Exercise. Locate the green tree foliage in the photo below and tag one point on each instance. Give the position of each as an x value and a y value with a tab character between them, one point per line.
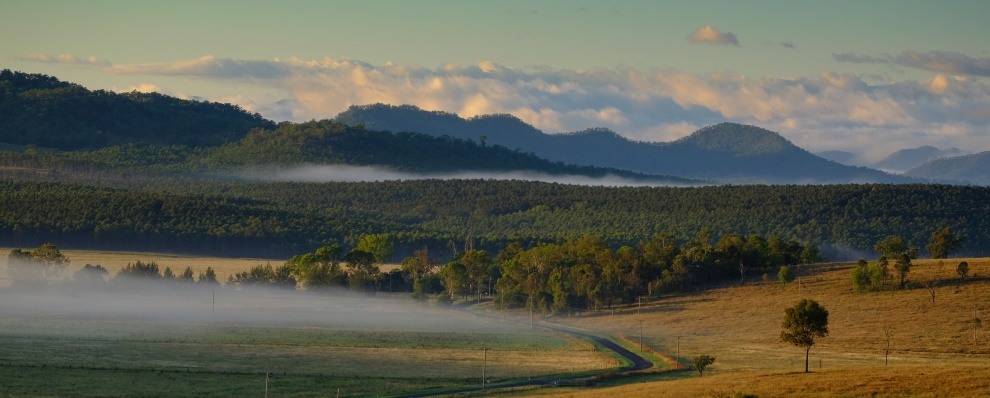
320	269
942	243
284	219
36	267
362	270
454	277
187	276
803	324
43	111
261	276
897	249
379	245
785	275
168	275
870	276
138	270
701	362
207	278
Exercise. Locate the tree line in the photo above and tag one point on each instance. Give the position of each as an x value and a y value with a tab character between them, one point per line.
281	219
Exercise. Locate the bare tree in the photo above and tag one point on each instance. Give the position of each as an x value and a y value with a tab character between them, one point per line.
932	283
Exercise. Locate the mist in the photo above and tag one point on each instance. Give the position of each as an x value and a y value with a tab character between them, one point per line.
345	173
262	307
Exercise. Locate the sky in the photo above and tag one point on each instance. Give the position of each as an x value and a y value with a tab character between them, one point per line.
865	77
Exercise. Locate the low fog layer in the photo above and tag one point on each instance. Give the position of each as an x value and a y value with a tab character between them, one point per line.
344	173
256	306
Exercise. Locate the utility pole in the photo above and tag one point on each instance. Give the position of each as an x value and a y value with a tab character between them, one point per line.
678	352
532	323
639	309
266	384
213	312
484	369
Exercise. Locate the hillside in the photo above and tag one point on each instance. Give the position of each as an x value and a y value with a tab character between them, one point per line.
841	157
727	152
43	111
907	159
279	219
740	327
972	169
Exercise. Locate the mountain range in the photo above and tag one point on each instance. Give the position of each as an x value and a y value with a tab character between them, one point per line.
906	159
41	111
726	152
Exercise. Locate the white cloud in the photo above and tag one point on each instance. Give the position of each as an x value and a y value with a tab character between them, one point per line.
828	111
710	35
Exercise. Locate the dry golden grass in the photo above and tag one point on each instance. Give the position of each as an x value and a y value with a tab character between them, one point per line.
115	260
881	381
740	326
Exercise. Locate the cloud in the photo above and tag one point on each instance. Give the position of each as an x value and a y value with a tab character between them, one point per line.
65	59
142	88
784	44
710	35
829	111
933	61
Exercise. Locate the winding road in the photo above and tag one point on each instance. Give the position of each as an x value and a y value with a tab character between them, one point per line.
638	363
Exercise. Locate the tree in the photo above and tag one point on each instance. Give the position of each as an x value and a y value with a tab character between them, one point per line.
208	278
943	242
811	255
379	245
36	267
896	248
804	323
187	276
892	247
91	275
701	362
363	271
785	275
932	283
962	269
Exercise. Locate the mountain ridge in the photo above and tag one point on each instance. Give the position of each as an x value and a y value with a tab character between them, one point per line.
712	153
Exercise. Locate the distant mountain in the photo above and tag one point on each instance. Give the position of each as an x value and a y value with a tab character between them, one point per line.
906	159
44	111
973	169
727	152
840	157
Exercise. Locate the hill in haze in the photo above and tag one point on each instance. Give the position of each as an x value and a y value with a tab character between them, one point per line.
973	169
907	159
841	157
726	152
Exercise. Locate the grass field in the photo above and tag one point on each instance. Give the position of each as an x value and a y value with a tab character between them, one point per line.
932	347
124	344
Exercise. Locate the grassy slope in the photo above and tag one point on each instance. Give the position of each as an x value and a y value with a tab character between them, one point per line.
740	325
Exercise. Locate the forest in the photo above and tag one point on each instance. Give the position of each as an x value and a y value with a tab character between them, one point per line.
264	219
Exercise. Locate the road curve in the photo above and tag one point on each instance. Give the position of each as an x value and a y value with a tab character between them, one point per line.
638	363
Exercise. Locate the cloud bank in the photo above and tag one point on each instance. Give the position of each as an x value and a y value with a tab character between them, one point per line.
828	111
933	61
709	35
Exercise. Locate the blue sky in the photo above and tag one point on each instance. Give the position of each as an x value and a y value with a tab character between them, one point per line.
869	77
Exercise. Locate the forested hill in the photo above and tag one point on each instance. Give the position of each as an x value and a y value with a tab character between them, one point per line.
43	111
726	152
279	219
972	169
322	142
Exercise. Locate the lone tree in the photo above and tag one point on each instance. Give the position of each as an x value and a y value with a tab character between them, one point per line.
897	249
942	243
803	323
701	362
